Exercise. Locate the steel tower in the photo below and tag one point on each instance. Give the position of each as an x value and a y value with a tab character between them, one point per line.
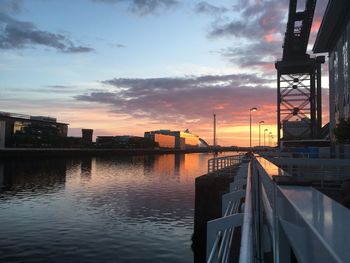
299	78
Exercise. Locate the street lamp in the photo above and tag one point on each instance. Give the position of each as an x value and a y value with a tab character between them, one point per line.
261	122
264	136
272	144
250	126
270	136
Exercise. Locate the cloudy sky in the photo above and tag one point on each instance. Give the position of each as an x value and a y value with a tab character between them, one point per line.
128	66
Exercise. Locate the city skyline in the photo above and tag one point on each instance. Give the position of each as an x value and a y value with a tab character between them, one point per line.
125	67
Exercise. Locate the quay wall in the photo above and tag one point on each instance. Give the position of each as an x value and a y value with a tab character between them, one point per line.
209	189
77	152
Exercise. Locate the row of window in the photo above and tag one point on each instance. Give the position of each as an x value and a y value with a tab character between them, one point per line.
339	68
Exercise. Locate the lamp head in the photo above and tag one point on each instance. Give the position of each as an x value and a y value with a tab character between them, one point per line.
261	122
253	109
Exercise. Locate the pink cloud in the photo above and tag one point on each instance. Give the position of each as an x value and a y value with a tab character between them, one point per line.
270	38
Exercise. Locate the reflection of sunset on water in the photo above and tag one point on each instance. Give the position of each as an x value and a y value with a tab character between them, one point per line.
99	173
146	202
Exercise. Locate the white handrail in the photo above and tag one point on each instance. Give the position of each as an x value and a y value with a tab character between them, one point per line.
219	163
246	250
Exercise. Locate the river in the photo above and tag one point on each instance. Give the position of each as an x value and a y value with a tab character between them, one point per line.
132	209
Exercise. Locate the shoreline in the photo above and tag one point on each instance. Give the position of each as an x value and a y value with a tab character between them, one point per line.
77	152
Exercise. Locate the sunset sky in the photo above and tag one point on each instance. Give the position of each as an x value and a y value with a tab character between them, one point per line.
128	66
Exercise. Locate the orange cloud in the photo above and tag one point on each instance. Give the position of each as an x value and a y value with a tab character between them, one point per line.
219	106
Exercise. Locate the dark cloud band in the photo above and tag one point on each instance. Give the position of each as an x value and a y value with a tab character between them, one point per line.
17	34
181	99
143	7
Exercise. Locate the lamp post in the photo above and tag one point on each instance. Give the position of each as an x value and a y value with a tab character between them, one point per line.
264	136
260	122
250	126
270	135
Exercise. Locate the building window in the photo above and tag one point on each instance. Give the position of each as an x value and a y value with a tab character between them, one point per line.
335	66
346	78
345	60
331	60
19	126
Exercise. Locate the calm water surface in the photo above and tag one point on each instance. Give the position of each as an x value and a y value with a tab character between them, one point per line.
133	209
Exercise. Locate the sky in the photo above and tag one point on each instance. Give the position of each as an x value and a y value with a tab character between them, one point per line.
123	67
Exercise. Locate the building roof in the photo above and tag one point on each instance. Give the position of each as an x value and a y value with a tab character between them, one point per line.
24	117
334	20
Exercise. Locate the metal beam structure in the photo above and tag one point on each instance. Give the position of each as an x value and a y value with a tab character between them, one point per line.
298	30
299	95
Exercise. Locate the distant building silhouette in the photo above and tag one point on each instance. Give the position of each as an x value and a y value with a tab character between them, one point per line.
125	141
87	135
13	124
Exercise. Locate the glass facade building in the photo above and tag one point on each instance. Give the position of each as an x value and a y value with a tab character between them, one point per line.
174	139
334	37
20	124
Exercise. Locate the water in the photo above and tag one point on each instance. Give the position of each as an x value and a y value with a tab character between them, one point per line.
133	209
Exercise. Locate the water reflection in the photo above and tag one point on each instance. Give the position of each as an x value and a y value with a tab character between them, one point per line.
31	177
86	166
1	175
115	209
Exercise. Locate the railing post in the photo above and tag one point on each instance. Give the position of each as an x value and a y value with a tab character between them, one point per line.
215	164
257	212
218	225
282	253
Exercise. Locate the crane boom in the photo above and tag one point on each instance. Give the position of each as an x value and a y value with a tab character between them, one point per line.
298	30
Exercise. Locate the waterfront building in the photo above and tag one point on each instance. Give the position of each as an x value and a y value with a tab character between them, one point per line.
202	143
13	124
334	38
125	141
2	133
189	139
164	140
176	139
87	135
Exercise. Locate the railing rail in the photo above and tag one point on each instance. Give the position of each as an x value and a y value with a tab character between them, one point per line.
280	217
220	231
300	219
218	163
246	250
309	155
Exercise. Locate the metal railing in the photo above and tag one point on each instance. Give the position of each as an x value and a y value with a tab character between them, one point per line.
280	218
219	163
295	219
220	231
326	154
